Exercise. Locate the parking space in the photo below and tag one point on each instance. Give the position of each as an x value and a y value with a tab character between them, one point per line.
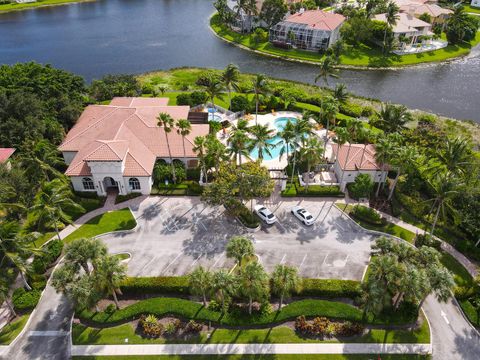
174	235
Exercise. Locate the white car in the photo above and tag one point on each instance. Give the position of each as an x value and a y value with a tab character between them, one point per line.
265	214
303	215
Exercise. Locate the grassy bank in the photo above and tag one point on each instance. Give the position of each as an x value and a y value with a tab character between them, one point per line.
10	332
110	221
359	56
40	3
82	335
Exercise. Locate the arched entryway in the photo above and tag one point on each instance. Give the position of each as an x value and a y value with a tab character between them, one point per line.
110	184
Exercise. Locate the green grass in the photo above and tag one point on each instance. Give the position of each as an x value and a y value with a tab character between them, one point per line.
191	310
258	357
9	332
388	228
44	238
461	276
83	335
361	55
16	7
470	312
472	9
88	204
122	256
110	221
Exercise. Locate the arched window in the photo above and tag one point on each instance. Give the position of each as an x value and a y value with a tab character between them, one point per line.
88	184
134	184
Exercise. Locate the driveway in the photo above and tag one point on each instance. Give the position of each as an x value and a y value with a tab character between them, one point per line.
174	235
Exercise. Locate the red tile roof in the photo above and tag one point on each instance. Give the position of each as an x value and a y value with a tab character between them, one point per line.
127	132
360	157
317	19
5	154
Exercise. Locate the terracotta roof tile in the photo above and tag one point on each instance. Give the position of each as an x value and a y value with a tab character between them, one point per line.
360	157
5	154
317	19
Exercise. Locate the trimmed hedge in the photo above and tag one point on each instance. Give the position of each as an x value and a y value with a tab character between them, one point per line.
25	300
366	214
330	288
313	190
122	198
192	188
155	285
51	252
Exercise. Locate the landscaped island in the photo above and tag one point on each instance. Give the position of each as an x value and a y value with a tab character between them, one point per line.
8	6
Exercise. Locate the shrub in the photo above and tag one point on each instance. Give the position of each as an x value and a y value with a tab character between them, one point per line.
25	300
427	240
361	187
330	288
150	326
240	103
193	174
351	109
193	327
155	285
51	252
320	191
246	217
184	99
321	326
366	214
162	172
38	281
214	306
198	98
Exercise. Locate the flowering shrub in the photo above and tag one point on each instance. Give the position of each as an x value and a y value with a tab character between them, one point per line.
192	327
150	326
321	326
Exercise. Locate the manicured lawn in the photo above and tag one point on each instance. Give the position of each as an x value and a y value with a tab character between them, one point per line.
9	332
388	228
461	276
83	335
110	221
88	205
361	55
16	7
44	238
471	9
257	357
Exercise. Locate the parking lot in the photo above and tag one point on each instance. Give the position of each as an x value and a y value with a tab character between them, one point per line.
174	235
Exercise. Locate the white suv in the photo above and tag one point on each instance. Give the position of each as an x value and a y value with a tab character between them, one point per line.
303	215
265	214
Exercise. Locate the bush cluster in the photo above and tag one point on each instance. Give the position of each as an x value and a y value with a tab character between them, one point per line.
366	214
150	327
323	327
192	99
155	285
25	300
50	254
247	218
313	190
427	240
330	288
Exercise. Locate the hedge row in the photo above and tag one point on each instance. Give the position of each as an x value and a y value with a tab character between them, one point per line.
50	253
367	214
25	300
313	191
178	285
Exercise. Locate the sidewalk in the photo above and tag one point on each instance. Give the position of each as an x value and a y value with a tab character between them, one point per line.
227	349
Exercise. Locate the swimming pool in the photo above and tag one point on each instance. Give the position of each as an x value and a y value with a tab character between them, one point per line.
281	122
212	116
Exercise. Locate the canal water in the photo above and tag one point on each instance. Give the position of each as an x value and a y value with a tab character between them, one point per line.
134	36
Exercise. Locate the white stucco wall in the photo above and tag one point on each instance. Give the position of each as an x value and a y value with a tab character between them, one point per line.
145	184
68	156
103	169
78	185
350	175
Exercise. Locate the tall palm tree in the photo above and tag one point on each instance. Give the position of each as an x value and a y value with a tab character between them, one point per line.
238	144
444	187
285	281
214	87
79	253
261	135
312	154
342	136
253	283
303	128
200	148
259	87
340	93
327	69
166	122
184	128
328	112
355	129
231	80
108	274
224	284
391	17
393	118
287	134
200	281
41	160
216	153
51	202
455	157
404	158
383	152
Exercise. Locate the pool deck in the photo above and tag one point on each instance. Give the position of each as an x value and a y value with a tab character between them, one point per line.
269	119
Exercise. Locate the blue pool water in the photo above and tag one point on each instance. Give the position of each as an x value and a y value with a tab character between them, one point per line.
279	123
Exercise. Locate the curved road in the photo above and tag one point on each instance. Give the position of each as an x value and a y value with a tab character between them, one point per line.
46	335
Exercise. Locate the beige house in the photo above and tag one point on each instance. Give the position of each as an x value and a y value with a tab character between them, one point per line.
417	8
408	26
115	146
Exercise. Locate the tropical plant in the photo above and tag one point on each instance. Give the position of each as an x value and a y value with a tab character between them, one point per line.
216	153
5	297
184	128
342	136
288	135
253	282
238	144
340	93
224	285
312	154
328	112
259	87
391	17
383	153
303	129
327	69
403	158
393	118
166	122
200	282
231	80
81	252
200	149
260	139
109	273
41	160
239	247
285	281
51	202
214	87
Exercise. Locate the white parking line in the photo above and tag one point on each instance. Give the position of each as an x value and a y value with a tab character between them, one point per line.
195	261
216	261
283	258
171	262
303	261
323	263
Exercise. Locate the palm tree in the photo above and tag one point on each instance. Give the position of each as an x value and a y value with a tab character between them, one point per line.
200	148
214	87
41	160
166	122
239	247
328	112
200	282
342	136
340	93
259	87
4	297
287	134
393	118
312	154
184	127
224	284
444	187
404	157
302	129
454	158
261	135
383	152
51	202
285	280
82	251
109	273
327	69
391	17
253	282
231	80
238	144
216	153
